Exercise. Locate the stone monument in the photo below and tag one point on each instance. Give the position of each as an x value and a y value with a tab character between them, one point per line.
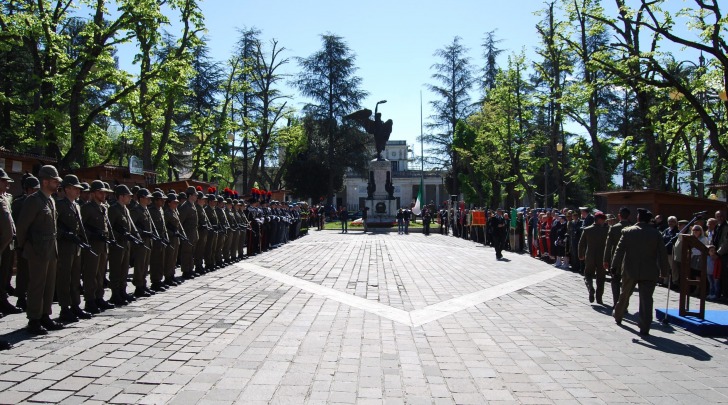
380	189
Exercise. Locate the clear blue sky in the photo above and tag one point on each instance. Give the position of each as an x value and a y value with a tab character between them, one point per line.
393	41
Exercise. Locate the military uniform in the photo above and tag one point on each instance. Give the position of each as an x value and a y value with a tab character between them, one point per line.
642	256
591	248
36	236
615	232
189	221
174	228
212	236
21	275
157	260
124	231
224	227
94	216
71	235
7	233
142	221
7	248
203	230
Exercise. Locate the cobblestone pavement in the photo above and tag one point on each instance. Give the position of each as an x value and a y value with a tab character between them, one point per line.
354	318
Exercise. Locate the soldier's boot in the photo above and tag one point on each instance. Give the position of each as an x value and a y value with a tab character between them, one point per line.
141	292
590	286
5	345
22	302
9	309
67	316
80	313
50	324
92	308
104	305
117	299
158	287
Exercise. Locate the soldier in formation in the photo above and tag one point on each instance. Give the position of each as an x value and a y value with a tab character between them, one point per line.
67	237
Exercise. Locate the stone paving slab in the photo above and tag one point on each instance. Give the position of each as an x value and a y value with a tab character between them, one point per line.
370	319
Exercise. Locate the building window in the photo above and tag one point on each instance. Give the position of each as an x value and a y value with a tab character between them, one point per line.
395	166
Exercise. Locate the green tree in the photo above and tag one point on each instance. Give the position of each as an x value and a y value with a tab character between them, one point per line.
455	78
328	78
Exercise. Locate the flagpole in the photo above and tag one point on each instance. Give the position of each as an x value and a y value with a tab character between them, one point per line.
422	155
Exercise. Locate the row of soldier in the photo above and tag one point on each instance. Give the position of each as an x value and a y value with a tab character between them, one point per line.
64	232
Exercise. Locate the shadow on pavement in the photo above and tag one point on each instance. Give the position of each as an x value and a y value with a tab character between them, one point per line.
670	346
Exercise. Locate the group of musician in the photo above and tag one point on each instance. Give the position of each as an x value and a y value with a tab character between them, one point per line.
72	235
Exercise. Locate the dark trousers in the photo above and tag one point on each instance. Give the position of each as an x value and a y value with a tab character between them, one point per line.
170	258
210	246
186	257
647	288
41	286
142	257
93	270
616	285
156	262
118	268
68	274
498	242
7	260
200	248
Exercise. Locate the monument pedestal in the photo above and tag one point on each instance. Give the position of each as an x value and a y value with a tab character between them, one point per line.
380	199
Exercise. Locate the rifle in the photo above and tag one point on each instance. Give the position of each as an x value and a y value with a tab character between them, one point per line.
133	239
156	238
83	245
103	238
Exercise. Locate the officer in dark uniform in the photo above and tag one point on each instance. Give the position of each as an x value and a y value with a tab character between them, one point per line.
174	230
591	252
203	230
142	220
94	216
159	247
85	194
498	228
71	237
36	237
252	215
124	234
188	218
31	184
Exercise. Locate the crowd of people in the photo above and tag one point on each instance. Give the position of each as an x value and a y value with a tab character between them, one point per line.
65	237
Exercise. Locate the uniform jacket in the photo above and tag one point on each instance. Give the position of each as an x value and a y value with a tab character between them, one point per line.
203	223
159	224
615	232
211	216
69	220
641	253
221	218
94	217
120	223
171	218
7	225
36	227
141	218
188	218
592	245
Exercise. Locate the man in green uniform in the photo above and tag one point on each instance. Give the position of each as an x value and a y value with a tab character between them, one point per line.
31	184
7	233
156	262
142	253
642	256
615	232
188	218
591	251
124	233
7	259
36	237
224	227
212	236
203	230
71	237
94	216
174	230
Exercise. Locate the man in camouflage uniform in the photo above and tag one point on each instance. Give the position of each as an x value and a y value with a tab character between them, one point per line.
36	237
71	237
